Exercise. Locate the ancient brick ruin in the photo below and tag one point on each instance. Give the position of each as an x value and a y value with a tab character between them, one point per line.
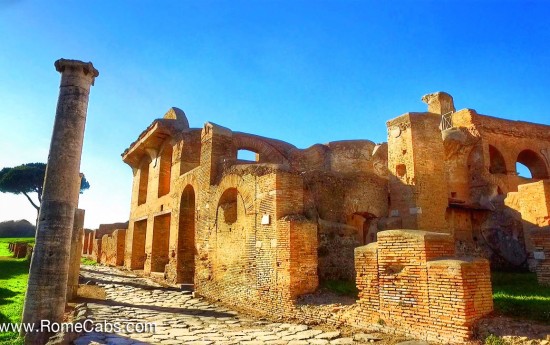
106	244
20	249
258	234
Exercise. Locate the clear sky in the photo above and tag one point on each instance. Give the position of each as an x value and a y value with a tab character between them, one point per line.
301	71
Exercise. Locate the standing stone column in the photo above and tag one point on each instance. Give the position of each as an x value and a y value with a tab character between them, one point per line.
47	287
74	257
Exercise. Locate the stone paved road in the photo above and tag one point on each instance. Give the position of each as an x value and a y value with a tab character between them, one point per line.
182	319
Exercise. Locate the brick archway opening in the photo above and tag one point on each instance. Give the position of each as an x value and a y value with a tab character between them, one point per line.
534	163
186	237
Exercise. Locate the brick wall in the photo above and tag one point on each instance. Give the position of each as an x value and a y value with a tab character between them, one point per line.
96	250
409	282
416	162
112	245
534	204
259	252
540	239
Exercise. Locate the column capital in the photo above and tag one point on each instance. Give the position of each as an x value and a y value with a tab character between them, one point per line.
87	68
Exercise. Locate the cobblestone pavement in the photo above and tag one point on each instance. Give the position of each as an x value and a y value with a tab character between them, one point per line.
182	319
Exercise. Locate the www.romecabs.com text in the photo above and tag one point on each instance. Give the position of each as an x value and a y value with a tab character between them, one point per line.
85	326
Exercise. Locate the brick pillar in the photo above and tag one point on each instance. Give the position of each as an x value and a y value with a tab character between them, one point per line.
47	286
216	147
417	181
410	282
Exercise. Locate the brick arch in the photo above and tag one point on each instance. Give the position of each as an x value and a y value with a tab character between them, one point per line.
534	162
235	181
268	152
497	163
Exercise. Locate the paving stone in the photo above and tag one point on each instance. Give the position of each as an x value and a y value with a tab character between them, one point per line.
268	337
328	335
318	341
298	342
277	342
306	334
86	340
179	331
118	341
188	337
366	337
342	341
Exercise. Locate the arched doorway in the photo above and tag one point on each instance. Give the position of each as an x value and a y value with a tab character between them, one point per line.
186	237
534	163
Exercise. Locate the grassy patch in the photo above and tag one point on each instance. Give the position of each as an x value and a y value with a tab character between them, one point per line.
341	287
13	284
519	295
86	261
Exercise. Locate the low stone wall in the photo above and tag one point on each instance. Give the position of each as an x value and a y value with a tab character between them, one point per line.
540	239
112	248
410	283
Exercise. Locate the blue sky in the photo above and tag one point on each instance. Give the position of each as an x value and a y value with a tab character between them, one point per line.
301	71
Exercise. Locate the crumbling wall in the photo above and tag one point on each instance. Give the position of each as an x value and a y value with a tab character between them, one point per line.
410	282
416	162
96	250
112	245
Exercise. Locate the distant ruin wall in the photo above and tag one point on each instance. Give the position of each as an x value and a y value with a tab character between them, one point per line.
112	248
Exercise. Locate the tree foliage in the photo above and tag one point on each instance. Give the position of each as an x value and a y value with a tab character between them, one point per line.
28	178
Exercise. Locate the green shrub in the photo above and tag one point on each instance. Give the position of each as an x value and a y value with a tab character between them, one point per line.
494	340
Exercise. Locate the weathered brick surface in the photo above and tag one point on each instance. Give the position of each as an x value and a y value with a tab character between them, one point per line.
533	200
416	161
96	250
112	248
408	283
540	239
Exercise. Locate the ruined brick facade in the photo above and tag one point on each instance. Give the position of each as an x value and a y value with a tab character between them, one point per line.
258	234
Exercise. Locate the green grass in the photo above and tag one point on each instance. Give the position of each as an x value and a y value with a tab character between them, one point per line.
519	295
86	261
13	284
341	287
